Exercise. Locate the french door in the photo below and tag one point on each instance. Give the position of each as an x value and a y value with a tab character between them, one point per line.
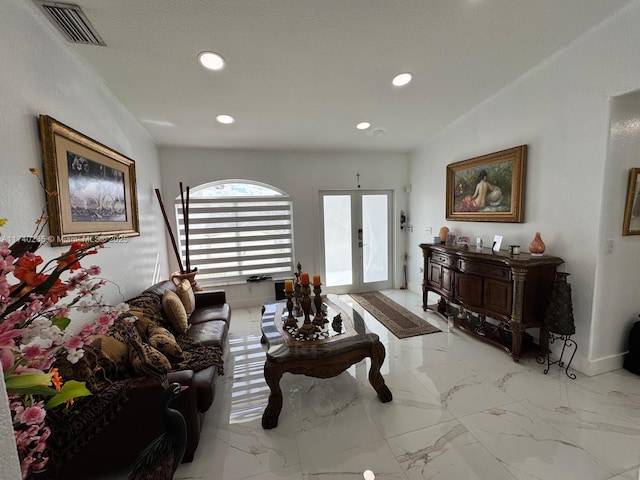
357	240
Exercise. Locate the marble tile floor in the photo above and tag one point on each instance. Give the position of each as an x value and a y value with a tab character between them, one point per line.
461	410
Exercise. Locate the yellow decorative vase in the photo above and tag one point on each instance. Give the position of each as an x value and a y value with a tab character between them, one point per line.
178	277
537	246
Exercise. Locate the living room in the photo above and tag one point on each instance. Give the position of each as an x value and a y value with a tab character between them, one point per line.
576	110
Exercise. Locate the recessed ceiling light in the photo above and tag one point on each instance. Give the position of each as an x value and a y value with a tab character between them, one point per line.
402	79
363	125
211	60
226	119
376	132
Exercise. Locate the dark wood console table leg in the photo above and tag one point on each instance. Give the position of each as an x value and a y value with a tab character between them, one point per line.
272	375
375	377
517	330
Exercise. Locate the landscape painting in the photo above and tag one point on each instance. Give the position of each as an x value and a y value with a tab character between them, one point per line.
96	192
91	189
631	223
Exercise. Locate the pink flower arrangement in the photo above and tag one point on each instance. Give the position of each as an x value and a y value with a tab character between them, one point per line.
33	324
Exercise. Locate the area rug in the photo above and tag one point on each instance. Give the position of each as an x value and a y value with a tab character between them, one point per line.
400	321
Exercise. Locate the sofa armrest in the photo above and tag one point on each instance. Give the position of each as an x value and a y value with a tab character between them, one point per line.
210	298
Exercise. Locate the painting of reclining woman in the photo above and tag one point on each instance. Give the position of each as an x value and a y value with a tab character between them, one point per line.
486	196
489	188
96	191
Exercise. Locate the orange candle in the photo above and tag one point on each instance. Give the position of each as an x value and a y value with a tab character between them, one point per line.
288	285
304	278
316	280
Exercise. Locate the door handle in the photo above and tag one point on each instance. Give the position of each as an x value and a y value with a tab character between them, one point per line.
360	243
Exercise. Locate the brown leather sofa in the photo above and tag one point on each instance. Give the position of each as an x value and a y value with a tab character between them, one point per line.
138	421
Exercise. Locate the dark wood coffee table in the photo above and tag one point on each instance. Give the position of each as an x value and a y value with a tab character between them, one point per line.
323	358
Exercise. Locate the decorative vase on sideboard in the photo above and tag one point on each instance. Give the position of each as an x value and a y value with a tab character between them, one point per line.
537	246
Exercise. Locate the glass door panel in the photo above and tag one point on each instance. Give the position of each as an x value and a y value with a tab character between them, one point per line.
337	240
375	246
357	241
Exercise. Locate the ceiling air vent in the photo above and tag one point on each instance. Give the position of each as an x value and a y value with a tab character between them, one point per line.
71	21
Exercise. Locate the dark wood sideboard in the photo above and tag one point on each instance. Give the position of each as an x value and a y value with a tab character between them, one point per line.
510	289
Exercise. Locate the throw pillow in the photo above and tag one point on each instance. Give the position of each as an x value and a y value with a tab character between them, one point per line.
187	297
174	311
147	361
112	356
163	340
143	322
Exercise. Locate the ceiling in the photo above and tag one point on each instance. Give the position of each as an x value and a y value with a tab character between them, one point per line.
301	73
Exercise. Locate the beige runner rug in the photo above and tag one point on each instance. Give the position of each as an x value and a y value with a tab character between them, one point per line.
400	321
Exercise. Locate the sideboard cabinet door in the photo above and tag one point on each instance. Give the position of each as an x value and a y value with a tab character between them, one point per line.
434	274
468	289
497	296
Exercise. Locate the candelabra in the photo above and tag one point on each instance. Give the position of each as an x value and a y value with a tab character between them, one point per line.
297	286
290	321
318	319
307	328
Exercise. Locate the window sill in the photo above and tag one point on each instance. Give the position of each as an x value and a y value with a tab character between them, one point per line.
217	285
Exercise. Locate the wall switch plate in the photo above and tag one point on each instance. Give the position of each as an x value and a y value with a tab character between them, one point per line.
610	245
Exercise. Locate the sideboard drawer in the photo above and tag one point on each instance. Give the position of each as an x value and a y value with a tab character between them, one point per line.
494	271
446	260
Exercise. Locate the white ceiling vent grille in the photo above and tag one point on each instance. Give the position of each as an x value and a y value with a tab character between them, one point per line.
71	22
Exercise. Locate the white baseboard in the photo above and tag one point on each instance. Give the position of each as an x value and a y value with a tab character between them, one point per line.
587	367
602	365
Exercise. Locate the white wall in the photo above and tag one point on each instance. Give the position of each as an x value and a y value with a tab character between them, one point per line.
41	77
617	308
301	175
561	110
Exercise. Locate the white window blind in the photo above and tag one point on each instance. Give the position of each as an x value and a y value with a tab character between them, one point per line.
237	230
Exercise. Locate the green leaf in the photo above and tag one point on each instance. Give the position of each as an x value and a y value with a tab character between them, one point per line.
27	380
71	389
40	390
61	322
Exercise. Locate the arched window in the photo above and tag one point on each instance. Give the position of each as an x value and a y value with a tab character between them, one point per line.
237	229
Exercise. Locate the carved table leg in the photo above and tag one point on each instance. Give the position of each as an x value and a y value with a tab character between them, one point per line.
272	375
517	314
375	377
424	296
517	331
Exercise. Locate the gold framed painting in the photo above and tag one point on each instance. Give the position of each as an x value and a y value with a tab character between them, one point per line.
631	223
91	188
489	188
